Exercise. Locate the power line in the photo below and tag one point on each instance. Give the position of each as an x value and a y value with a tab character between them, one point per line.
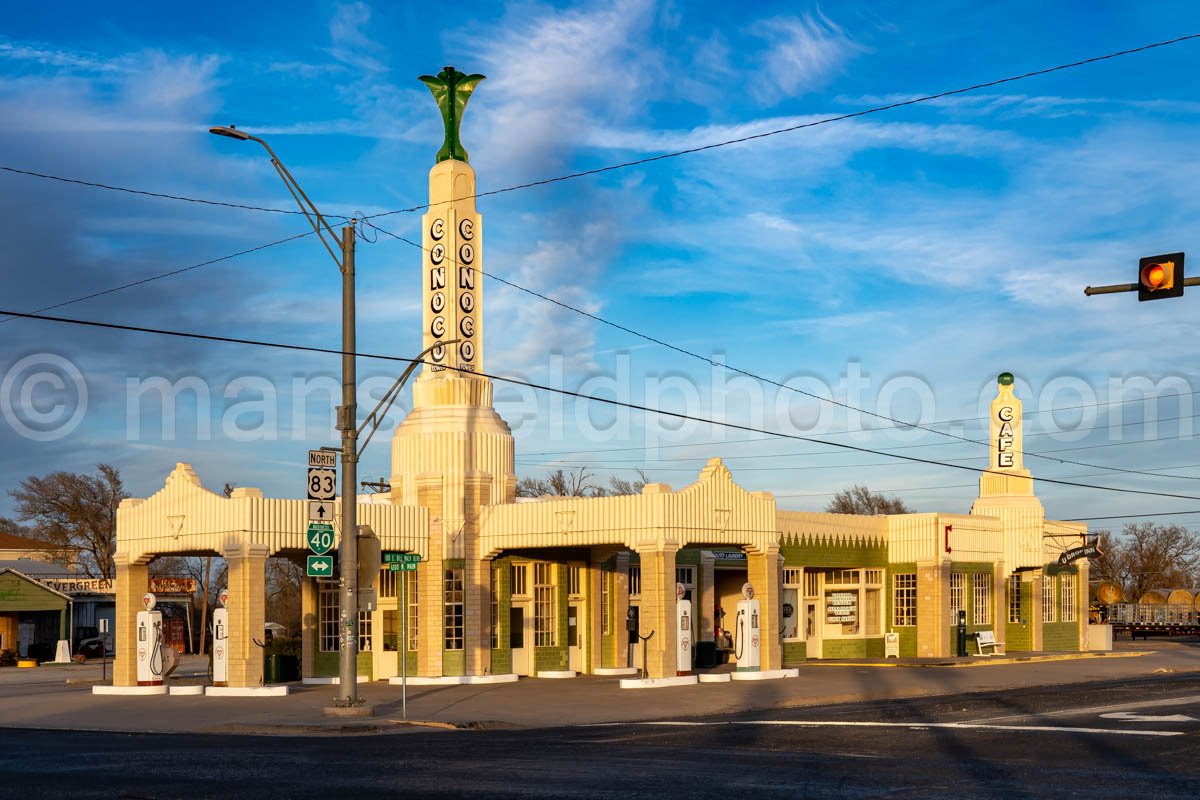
165	275
565	392
791	128
145	193
752	375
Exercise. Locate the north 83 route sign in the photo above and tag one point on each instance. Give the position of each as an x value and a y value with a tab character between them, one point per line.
322	484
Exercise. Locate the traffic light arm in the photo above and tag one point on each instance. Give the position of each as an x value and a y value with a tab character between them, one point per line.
375	418
1117	288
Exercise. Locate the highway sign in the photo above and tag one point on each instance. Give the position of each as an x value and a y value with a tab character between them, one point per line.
326	459
322	483
320	537
403	566
320	510
320	566
401	558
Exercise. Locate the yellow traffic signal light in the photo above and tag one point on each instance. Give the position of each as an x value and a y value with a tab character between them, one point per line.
1160	276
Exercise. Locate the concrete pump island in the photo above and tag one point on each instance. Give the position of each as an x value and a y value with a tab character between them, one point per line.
476	586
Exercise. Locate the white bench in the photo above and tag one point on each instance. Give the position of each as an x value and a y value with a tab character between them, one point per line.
988	639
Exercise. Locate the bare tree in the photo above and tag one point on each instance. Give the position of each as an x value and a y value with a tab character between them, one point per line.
1147	556
13	528
861	500
576	483
77	513
625	486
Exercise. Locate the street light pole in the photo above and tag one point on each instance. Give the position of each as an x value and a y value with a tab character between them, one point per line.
348	552
346	416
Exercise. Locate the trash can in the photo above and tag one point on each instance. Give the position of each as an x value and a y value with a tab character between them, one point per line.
281	669
706	655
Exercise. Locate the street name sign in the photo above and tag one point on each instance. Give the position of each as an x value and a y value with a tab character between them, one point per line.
401	558
326	459
403	566
320	566
322	483
320	510
320	537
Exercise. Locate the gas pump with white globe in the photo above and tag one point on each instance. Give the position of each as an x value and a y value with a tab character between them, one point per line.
745	631
150	656
683	642
220	645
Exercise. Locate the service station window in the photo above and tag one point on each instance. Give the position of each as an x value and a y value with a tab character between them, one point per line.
327	619
958	595
452	588
574	581
1068	597
982	607
1047	598
793	581
1014	599
493	639
544	605
904	599
412	617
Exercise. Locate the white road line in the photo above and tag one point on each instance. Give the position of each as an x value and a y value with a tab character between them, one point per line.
1174	701
909	725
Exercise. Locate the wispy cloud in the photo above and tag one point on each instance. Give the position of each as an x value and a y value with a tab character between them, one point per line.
804	53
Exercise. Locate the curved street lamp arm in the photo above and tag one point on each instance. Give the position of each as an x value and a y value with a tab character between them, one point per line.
375	418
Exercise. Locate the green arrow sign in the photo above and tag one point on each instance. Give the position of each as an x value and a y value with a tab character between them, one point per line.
320	566
320	537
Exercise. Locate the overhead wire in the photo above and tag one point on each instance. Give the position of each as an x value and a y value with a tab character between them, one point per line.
801	126
162	275
566	392
740	371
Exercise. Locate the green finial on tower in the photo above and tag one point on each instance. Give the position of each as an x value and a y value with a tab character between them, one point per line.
451	89
1005	379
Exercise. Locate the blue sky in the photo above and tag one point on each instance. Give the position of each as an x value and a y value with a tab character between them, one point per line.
896	262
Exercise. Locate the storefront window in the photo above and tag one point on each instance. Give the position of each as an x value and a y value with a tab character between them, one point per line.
327	616
544	629
452	588
1068	597
1014	599
983	599
958	595
790	610
904	599
1047	598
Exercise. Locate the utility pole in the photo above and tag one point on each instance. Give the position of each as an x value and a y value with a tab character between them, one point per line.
348	552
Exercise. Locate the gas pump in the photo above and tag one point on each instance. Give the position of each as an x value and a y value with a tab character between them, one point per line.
631	626
683	642
746	632
220	644
149	643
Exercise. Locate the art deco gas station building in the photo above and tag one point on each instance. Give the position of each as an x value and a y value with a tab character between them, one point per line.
548	587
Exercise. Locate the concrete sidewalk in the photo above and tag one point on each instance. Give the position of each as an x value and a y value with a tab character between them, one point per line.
43	699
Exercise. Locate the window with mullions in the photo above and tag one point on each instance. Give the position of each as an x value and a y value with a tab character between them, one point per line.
518	574
452	588
686	576
1014	599
575	580
904	599
493	635
544	606
364	631
790	611
412	618
1048	598
982	607
635	581
605	614
388	582
1067	581
327	616
958	595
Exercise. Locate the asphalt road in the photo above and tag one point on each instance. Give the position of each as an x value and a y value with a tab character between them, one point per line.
1125	739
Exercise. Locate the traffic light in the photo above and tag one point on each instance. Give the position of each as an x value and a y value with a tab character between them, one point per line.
1160	276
